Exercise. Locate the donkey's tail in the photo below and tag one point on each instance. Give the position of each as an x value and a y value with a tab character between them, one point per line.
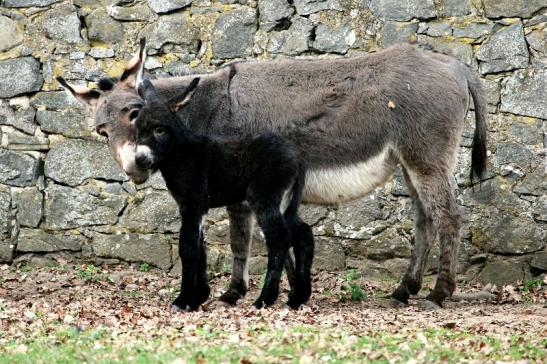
478	149
297	188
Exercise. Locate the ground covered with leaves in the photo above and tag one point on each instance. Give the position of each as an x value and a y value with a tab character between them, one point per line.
65	313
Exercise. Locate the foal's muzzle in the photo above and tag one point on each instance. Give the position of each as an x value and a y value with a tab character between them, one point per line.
143	161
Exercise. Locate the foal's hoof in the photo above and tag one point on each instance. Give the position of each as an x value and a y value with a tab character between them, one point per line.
294	304
259	304
429	305
177	309
296	300
395	303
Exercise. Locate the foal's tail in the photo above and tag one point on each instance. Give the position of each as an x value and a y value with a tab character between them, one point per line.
297	188
478	151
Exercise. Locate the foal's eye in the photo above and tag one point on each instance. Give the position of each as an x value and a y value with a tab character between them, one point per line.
159	131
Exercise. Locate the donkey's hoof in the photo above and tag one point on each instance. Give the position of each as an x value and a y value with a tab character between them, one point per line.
220	304
430	305
395	303
230	297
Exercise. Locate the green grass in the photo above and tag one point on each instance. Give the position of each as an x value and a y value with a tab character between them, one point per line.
263	344
90	273
532	284
25	268
352	290
144	267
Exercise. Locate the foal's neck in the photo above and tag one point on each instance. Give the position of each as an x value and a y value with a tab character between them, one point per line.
187	147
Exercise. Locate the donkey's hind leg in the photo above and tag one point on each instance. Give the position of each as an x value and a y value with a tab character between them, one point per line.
303	243
241	230
424	238
439	205
449	235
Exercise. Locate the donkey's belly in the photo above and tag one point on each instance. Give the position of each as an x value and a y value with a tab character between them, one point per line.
346	183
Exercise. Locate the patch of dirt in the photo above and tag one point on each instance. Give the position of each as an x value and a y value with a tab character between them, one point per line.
125	298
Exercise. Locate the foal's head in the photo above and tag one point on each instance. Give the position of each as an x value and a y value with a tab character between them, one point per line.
157	126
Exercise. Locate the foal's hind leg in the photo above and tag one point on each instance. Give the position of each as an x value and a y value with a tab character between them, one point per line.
303	243
424	238
241	230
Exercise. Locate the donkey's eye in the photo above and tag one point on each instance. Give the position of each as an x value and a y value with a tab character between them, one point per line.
102	131
159	131
133	114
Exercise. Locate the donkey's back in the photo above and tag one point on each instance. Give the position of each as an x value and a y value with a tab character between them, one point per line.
354	119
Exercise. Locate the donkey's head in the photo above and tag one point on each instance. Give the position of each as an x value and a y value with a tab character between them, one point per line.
114	105
158	127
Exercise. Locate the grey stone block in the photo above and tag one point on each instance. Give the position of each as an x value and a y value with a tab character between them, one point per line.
154	249
334	39
29	207
233	33
294	40
272	12
512	8
19	76
72	161
62	24
172	29
102	28
156	212
10	36
28	3
307	7
505	50
164	6
402	10
18	169
524	93
396	32
40	241
68	208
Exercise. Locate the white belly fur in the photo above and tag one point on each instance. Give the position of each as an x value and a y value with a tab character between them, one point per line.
336	185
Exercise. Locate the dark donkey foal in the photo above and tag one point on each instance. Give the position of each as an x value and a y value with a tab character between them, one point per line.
202	172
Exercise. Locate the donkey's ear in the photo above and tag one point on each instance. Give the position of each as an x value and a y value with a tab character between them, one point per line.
187	94
132	75
83	94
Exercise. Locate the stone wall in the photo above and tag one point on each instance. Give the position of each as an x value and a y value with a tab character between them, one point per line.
61	194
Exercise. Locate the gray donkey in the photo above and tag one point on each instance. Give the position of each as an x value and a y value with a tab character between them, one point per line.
354	120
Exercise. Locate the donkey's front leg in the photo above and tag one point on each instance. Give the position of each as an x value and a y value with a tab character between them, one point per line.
194	287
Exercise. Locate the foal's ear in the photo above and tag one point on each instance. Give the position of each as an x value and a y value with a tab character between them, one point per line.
187	94
147	91
132	75
83	94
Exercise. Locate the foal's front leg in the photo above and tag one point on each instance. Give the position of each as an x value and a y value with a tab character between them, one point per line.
194	287
277	235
